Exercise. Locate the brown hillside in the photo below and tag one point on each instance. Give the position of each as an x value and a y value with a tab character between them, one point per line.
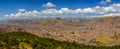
87	31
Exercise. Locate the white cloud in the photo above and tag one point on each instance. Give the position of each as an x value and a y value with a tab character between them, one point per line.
112	14
50	11
108	0
21	10
105	1
49	4
24	14
112	10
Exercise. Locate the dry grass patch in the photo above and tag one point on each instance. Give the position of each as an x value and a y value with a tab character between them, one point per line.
102	40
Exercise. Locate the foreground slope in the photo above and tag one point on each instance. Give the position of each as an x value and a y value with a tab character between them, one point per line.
24	40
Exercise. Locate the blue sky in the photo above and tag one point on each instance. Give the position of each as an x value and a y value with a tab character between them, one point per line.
8	7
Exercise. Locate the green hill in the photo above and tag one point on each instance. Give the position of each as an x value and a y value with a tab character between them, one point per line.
24	40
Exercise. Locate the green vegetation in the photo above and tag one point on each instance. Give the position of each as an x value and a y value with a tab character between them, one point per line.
24	40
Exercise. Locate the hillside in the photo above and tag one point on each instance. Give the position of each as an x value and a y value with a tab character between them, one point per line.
24	40
95	31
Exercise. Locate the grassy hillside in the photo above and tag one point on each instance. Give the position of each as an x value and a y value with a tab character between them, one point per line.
24	40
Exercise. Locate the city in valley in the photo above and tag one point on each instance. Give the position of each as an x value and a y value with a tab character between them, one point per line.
59	24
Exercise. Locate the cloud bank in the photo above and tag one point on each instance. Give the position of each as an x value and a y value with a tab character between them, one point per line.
112	10
23	14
